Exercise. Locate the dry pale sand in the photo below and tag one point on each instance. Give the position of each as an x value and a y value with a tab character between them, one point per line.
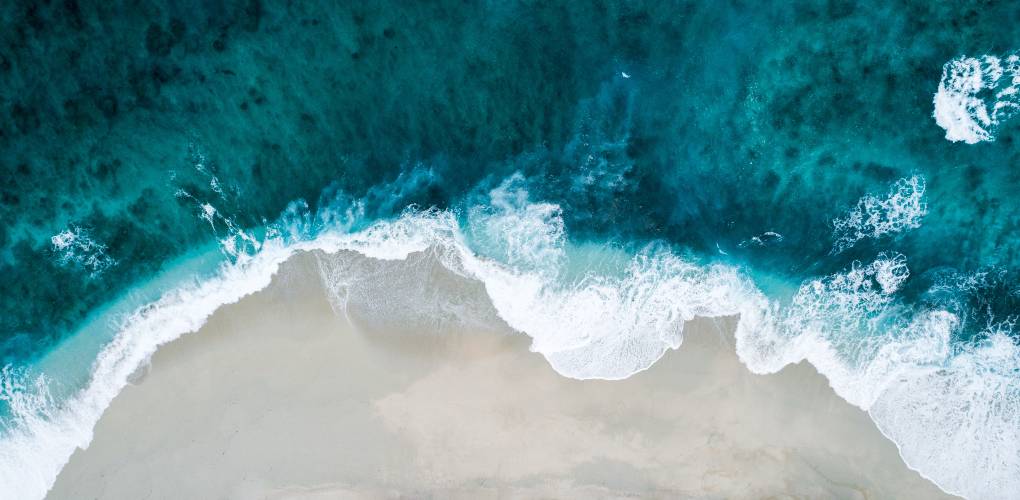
278	397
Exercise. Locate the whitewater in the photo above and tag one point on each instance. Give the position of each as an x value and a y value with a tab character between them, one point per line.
605	171
596	311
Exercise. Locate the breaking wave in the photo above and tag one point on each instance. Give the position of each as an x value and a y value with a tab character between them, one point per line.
594	311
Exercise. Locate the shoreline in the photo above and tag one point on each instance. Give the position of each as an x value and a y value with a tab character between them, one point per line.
276	396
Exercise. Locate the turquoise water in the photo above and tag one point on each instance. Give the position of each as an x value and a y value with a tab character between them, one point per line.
793	142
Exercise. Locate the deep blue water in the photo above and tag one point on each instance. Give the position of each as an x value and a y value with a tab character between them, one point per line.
794	141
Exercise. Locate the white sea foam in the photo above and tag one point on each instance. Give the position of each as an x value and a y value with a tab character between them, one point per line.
765	239
43	433
844	325
233	239
976	95
76	246
953	414
521	234
902	208
958	423
615	321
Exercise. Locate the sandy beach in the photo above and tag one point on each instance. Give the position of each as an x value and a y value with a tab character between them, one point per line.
278	396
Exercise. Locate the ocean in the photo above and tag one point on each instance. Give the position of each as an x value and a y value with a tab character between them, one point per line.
841	176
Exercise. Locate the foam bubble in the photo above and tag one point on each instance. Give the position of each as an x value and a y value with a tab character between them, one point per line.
902	208
975	95
76	246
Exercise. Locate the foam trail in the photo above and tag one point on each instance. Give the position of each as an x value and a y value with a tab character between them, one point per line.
976	95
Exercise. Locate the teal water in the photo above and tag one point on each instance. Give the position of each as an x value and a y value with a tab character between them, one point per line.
794	141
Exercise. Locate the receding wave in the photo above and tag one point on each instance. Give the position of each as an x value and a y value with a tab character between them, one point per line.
593	310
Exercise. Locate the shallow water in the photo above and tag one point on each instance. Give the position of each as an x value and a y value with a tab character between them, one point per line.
650	161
